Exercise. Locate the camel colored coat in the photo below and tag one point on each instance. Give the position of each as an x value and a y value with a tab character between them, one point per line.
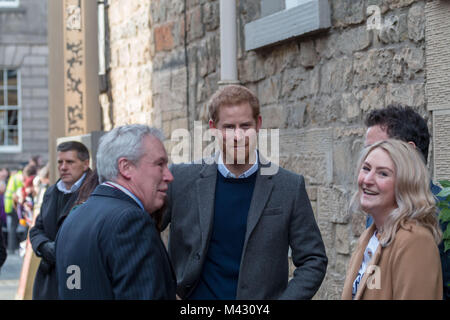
408	269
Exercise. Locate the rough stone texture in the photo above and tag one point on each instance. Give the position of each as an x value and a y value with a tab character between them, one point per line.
332	203
23	46
342	240
163	37
438	95
315	89
438	54
346	13
416	22
130	66
441	145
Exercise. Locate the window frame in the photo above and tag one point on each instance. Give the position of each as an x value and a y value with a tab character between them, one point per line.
288	6
304	18
12	148
9	4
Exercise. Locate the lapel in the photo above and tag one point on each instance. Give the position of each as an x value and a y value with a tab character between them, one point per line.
205	189
373	262
261	194
67	208
62	213
359	252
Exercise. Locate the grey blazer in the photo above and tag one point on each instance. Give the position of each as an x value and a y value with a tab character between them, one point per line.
280	216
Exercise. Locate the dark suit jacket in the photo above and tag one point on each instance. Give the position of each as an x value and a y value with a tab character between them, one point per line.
117	248
280	216
45	229
3	252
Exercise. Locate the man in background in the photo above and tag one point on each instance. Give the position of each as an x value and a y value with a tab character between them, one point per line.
73	165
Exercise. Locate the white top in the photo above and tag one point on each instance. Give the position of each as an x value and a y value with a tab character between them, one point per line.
368	254
124	190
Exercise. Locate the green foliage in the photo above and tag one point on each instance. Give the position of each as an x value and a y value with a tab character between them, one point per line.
445	183
444	214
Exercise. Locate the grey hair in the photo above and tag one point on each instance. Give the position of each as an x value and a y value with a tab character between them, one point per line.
122	142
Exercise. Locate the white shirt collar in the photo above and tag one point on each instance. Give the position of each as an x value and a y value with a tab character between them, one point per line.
124	190
227	173
62	187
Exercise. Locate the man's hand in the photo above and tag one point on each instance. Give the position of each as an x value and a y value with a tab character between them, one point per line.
47	250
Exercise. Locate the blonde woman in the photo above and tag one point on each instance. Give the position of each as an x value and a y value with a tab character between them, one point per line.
397	257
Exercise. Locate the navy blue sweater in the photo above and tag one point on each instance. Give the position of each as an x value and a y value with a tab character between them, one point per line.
221	267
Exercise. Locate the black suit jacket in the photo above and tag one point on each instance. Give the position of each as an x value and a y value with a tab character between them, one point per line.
3	253
53	211
116	248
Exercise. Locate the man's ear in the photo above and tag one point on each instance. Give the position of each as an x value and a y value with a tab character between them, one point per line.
85	164
413	144
258	123
124	166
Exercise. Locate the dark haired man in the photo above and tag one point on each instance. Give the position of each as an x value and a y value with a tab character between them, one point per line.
398	122
73	164
403	123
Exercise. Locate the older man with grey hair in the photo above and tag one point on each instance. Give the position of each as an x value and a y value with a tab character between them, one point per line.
110	247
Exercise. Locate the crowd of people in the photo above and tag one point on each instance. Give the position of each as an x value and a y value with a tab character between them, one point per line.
21	193
232	228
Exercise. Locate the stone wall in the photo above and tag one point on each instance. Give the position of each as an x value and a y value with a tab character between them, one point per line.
130	65
25	24
315	89
23	45
438	77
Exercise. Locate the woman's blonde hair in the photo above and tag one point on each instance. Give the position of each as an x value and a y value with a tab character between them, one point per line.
414	199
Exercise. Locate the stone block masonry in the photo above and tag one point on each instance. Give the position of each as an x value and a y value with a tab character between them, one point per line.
315	89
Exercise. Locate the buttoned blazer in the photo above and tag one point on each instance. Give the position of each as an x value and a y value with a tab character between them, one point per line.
409	268
116	248
280	216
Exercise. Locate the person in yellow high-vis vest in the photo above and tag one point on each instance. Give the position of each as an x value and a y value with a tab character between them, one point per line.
15	182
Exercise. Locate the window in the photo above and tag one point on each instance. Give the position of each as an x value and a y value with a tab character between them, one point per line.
10	124
286	19
9	3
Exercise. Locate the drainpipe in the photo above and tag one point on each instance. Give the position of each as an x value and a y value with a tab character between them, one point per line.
101	46
228	43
